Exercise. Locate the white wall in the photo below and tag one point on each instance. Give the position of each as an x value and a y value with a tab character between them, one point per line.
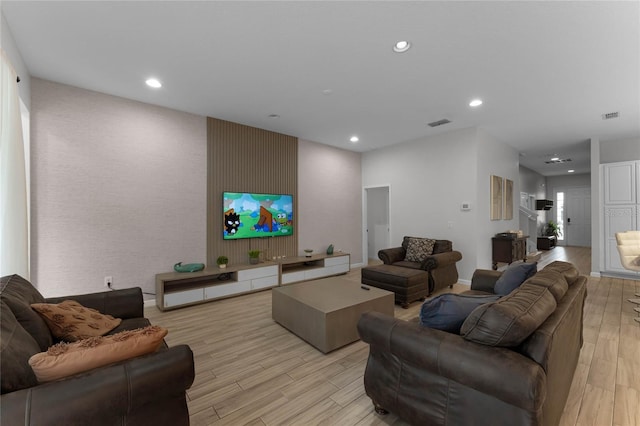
329	199
619	150
118	189
429	179
493	158
535	184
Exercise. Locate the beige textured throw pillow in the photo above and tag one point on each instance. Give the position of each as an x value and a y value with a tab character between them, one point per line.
70	321
67	359
418	249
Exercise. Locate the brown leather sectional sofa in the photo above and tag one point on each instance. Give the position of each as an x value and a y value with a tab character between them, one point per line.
441	265
146	390
512	364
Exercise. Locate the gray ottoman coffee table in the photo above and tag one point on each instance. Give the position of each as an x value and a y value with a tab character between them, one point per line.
325	312
407	284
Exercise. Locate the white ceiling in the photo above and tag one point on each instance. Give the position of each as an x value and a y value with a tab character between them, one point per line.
546	71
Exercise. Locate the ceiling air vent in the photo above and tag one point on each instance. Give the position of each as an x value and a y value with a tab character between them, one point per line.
439	122
610	115
559	161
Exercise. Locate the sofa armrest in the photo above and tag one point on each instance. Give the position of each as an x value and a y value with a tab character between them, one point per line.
392	255
439	260
484	280
106	395
499	372
125	303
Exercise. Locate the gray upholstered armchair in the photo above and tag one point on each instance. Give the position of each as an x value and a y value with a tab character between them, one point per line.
441	265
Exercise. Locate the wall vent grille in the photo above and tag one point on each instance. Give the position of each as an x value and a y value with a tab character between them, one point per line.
559	161
610	115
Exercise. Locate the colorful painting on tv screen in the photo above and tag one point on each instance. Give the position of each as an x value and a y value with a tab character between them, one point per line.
248	215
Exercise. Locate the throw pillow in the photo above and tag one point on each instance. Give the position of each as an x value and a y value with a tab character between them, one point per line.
513	276
70	321
67	359
418	249
447	312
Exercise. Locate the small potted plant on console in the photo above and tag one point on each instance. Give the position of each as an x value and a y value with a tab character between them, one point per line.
254	257
222	261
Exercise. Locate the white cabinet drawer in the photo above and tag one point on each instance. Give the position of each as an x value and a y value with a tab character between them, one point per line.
340	260
264	282
222	290
316	273
338	269
250	274
182	297
291	277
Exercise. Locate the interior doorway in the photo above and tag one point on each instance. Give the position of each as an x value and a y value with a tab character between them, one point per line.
376	226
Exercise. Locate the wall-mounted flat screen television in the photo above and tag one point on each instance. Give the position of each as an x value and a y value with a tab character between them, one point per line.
249	215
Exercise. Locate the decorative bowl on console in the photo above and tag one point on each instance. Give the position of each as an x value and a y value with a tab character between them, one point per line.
308	252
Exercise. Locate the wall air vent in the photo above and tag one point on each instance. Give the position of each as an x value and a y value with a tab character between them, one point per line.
558	161
439	122
610	115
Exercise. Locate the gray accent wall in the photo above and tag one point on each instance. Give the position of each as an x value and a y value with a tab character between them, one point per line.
118	189
329	199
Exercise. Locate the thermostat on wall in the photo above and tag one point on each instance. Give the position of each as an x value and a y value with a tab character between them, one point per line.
465	207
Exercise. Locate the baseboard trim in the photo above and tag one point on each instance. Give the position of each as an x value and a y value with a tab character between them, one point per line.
149	302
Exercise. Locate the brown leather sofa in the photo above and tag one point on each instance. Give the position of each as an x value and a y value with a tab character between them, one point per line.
147	390
495	372
441	265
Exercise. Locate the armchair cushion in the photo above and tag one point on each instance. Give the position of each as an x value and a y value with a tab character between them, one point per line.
447	312
513	276
67	359
418	249
70	321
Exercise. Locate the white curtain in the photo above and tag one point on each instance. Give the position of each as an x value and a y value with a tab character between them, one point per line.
14	231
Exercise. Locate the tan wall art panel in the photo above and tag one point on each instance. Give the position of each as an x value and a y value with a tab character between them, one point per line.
248	159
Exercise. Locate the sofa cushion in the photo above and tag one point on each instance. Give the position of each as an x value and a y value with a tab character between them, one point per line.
70	321
19	294
513	276
418	249
67	359
510	320
448	311
569	271
16	346
552	280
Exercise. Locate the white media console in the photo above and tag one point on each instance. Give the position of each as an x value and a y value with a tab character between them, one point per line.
178	289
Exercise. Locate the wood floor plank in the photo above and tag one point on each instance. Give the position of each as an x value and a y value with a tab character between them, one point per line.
252	371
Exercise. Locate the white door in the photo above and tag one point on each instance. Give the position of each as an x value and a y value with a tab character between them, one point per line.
577	215
377	226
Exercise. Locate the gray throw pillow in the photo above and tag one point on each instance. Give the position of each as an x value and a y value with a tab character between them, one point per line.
447	312
513	276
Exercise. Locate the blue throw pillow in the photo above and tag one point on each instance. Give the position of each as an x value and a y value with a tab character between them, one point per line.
447	312
513	276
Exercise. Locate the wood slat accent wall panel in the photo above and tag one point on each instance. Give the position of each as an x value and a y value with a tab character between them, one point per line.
248	159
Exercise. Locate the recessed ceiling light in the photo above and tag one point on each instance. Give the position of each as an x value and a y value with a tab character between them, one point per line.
401	46
555	159
570	171
273	116
475	103
153	82
354	139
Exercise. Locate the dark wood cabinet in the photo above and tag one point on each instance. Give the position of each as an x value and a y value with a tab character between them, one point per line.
508	250
547	243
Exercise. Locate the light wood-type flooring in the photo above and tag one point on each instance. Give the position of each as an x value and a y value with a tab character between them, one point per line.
250	370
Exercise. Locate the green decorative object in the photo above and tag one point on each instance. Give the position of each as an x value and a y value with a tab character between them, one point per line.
189	267
330	249
222	261
254	256
552	229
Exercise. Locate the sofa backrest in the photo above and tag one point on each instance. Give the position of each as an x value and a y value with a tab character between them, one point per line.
23	332
441	246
